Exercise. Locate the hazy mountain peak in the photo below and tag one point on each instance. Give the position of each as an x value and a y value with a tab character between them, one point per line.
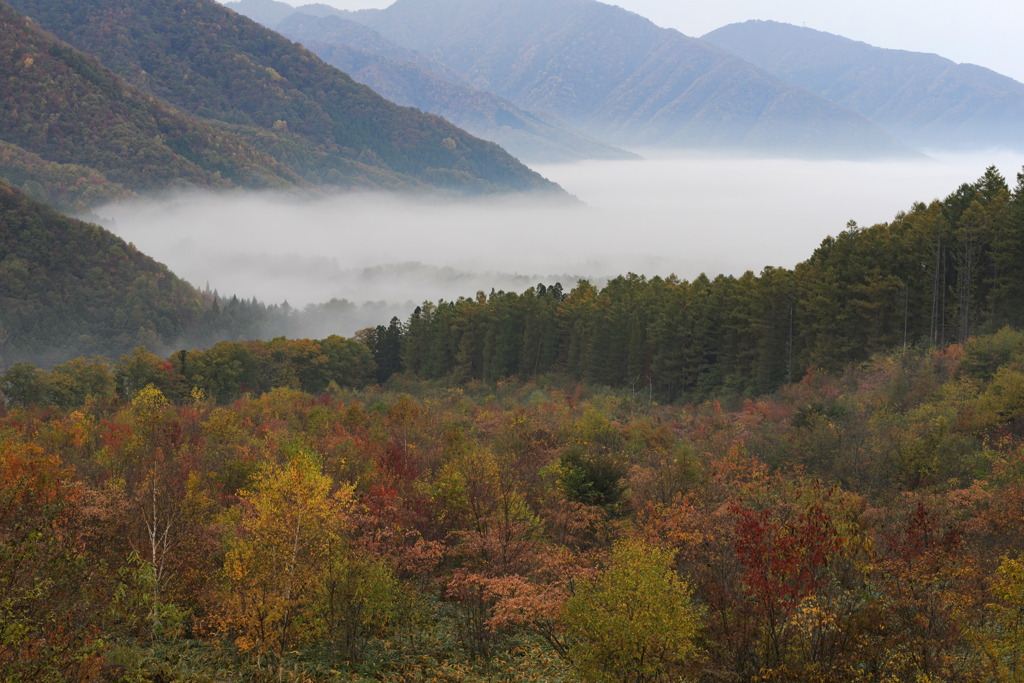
618	76
410	78
923	98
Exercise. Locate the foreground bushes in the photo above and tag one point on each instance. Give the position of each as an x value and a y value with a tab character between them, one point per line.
856	527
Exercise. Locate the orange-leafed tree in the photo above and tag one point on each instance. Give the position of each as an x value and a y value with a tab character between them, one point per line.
51	591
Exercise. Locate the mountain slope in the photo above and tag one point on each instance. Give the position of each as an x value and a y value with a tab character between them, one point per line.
337	30
216	64
69	288
272	12
66	108
406	77
921	98
616	75
71	188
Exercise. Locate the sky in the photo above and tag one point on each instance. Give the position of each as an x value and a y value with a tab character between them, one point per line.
984	32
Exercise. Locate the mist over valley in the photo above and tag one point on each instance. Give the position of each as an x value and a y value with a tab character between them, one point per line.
665	214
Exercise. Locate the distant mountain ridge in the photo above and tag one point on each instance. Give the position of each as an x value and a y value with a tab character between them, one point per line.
617	76
337	30
411	79
278	97
923	99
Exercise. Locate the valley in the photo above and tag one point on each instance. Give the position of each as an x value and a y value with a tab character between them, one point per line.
466	340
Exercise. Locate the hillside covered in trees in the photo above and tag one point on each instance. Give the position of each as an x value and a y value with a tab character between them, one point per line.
68	288
63	107
278	97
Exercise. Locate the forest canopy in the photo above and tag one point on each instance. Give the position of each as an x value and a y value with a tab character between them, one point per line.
866	521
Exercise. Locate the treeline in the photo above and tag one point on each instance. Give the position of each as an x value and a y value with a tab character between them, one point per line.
935	275
224	373
857	528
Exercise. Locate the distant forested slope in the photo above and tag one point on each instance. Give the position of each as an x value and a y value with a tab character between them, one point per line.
215	64
399	75
923	99
337	29
619	77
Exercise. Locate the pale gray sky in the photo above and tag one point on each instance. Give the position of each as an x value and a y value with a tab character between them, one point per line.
985	32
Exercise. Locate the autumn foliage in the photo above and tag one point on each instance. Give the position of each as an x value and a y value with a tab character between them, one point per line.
855	527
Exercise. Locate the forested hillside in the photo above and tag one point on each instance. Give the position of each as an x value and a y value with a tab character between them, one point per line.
69	188
617	76
63	107
213	63
68	288
922	99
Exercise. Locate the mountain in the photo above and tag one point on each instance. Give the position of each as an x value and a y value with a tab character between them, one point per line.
68	288
270	13
267	12
337	30
922	99
408	78
617	76
59	106
215	64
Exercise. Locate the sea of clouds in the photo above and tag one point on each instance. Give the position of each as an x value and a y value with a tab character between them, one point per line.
669	213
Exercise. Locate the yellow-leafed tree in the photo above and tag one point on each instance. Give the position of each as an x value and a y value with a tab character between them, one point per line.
290	522
636	622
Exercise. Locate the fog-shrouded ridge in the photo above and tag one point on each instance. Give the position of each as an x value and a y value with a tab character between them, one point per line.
662	215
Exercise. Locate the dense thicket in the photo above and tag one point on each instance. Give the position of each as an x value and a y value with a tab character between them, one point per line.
223	373
857	527
213	63
934	275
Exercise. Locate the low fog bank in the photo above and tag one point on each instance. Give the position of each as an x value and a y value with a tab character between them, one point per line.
664	214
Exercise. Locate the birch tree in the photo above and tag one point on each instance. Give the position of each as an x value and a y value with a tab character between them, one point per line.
290	521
